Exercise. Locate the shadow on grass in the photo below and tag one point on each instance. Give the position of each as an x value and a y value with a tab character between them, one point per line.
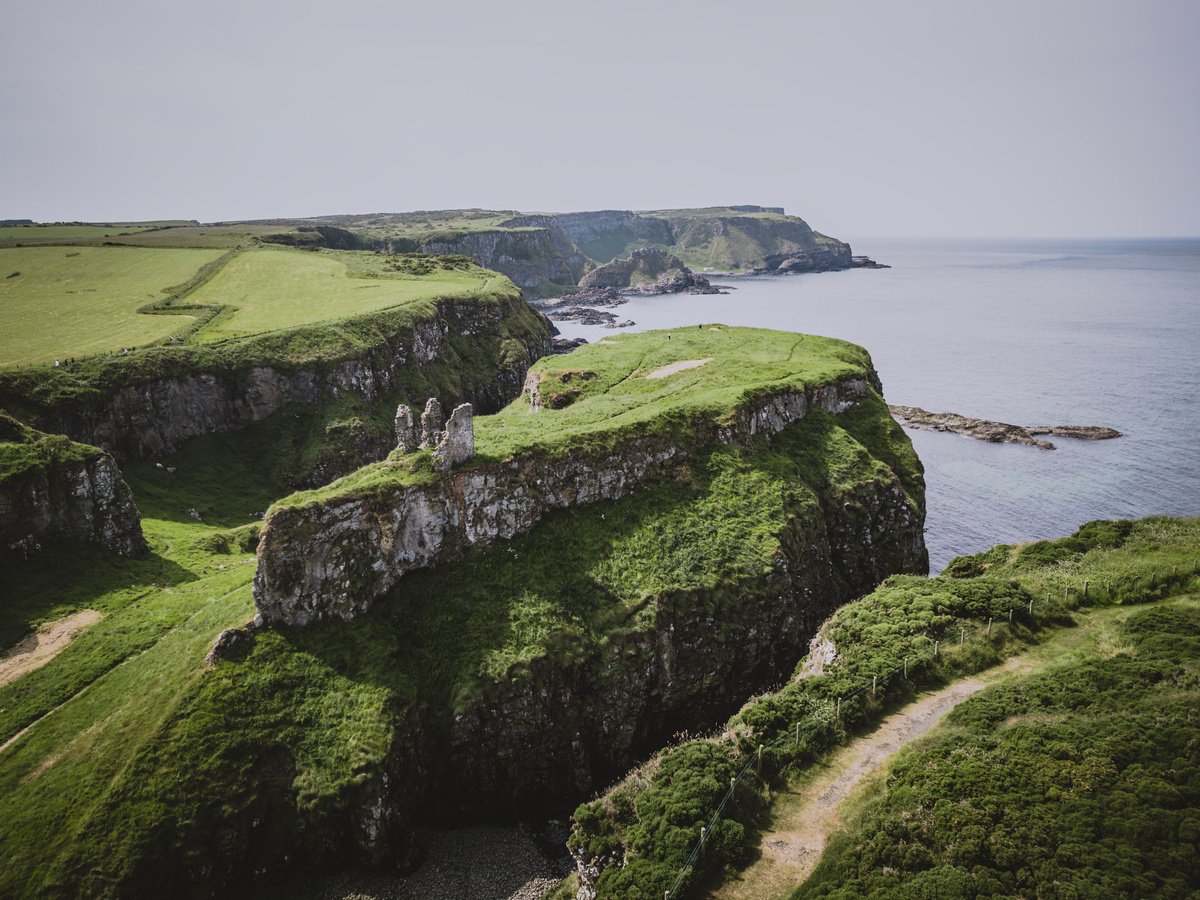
75	575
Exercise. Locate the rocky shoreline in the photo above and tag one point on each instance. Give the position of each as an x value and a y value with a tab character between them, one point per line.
998	432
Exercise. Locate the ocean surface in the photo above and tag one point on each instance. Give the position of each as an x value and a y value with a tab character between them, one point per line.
1027	332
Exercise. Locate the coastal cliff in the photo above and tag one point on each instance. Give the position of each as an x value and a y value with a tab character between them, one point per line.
53	489
508	647
532	251
147	405
332	558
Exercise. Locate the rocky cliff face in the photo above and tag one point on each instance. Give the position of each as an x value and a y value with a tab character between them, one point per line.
607	234
539	258
82	499
151	418
756	243
333	558
647	270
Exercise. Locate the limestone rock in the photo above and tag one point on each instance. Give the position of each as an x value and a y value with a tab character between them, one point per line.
82	500
457	443
432	424
332	560
407	436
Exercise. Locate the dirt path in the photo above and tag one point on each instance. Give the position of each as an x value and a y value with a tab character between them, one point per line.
44	644
790	852
664	371
812	810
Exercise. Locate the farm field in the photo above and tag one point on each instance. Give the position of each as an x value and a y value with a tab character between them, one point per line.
58	302
268	289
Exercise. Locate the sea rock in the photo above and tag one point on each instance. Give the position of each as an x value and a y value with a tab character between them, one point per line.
997	432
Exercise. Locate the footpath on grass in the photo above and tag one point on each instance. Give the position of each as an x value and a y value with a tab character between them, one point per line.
816	805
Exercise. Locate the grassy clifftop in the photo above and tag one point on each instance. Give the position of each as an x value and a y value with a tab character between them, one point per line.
606	392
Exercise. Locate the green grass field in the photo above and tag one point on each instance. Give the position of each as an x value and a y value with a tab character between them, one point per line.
78	301
30	235
269	289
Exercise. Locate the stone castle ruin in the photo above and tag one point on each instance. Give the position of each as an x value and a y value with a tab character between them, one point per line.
451	440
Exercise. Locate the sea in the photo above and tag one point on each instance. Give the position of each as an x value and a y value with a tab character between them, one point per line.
1030	332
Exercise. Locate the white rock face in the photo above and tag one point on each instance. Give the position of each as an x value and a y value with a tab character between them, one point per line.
334	559
457	443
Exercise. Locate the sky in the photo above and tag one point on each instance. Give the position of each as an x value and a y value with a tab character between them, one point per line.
1053	118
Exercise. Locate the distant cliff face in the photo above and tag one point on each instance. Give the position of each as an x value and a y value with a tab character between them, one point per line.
754	243
642	267
71	492
607	234
531	250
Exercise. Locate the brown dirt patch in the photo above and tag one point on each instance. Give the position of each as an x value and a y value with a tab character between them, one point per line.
44	644
680	366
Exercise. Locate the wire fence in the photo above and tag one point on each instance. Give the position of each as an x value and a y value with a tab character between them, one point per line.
1132	587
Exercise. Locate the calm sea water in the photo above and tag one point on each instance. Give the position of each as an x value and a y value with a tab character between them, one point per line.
1029	332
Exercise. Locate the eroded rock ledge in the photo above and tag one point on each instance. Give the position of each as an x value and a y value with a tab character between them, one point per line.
333	558
998	432
73	499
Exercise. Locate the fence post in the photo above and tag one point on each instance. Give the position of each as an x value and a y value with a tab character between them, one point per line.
1031	606
906	667
839	709
874	685
989	631
1086	585
703	835
962	636
758	767
797	735
935	649
1010	615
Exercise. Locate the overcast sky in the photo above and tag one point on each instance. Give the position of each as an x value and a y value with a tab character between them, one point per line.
1047	118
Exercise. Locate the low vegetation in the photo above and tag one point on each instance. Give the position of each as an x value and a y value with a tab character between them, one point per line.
1085	777
652	820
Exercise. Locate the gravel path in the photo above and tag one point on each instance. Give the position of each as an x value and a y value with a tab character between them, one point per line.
482	863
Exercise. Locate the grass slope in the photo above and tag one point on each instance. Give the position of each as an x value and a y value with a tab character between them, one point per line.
58	302
1083	779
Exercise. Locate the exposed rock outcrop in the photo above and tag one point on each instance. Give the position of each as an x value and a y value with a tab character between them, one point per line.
997	432
76	495
332	558
539	258
647	271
